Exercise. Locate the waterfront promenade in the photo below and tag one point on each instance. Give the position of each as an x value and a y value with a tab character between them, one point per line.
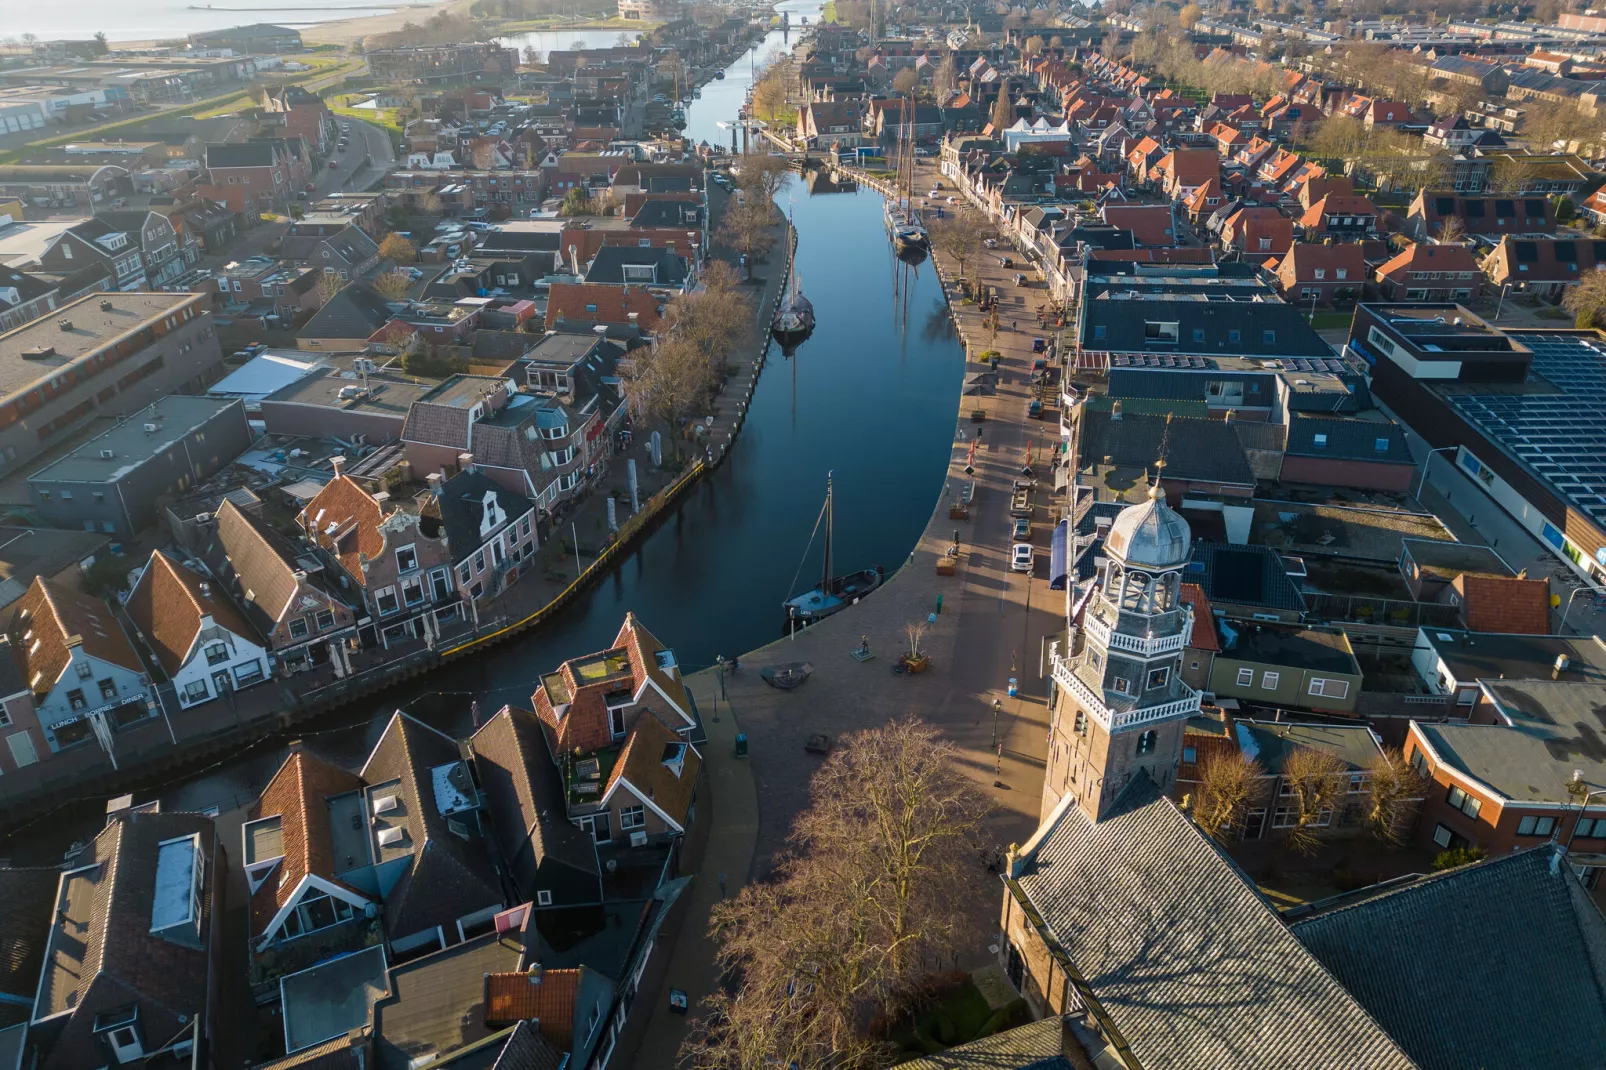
992	625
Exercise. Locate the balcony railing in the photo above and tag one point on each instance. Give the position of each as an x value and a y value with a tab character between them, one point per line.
1121	720
1100	631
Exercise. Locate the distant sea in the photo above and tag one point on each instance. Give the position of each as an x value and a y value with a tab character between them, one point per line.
148	20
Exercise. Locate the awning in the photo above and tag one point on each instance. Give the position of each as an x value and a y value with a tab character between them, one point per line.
1062	477
1057	556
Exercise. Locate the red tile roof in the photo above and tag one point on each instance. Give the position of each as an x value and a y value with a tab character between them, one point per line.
595	302
1204	621
544	996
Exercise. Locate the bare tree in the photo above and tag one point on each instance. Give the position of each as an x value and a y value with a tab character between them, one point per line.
427	201
398	249
329	283
960	236
669	381
1228	785
859	906
946	79
714	319
1587	300
1003	109
905	81
914	631
1033	46
764	176
748	226
1395	789
1451	229
392	285
1315	780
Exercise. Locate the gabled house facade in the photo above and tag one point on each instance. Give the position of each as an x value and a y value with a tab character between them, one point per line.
85	677
201	640
285	593
395	556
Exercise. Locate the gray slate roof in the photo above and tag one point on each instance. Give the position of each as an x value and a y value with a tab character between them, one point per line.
1243	575
1039	1045
462	505
1195	969
1123	322
1347	440
1194	449
354	312
1512	925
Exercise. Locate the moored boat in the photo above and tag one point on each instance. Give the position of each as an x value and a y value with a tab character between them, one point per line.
834	593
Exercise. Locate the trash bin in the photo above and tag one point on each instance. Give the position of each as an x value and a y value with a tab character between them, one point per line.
741	744
1014	690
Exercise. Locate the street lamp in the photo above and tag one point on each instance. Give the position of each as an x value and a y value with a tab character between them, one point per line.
1420	483
1583	806
1597	591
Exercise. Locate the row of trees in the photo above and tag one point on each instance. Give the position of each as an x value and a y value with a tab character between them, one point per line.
859	910
674	379
1231	785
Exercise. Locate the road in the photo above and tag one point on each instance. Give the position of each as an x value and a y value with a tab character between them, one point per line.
366	139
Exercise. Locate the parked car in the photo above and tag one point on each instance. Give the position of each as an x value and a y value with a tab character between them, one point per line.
310	188
1006	261
1020	530
1021	556
1020	279
334	165
991	243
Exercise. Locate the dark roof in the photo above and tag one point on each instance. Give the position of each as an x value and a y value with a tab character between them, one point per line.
524	798
27	906
354	312
449	876
462	506
1192	966
241	154
658	212
1040	1046
610	261
1260	388
1521	925
1347	440
1202	450
1486	656
1321	651
1243	575
526	1049
108	957
1265	328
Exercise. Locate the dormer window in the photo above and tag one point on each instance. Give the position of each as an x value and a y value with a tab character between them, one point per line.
120	1030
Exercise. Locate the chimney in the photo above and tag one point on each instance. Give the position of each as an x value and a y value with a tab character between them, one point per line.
1014	861
465	462
1562	662
1115	410
338	463
434	480
206	589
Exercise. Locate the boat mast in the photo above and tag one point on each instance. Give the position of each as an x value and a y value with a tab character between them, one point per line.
830	523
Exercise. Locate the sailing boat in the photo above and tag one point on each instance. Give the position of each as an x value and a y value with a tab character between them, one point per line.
908	232
794	316
834	593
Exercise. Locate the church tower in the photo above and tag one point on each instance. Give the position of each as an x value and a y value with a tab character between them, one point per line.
1120	703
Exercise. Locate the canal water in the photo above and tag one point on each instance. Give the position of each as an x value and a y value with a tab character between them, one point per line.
869	397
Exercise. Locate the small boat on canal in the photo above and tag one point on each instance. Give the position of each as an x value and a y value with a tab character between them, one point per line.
794	317
834	593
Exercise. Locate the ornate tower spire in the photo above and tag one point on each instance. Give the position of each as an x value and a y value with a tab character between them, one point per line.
1120	701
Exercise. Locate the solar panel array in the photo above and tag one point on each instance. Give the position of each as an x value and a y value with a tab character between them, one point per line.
1158	360
1312	364
1560	436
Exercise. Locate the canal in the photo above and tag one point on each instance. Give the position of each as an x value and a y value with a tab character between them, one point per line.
870	396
